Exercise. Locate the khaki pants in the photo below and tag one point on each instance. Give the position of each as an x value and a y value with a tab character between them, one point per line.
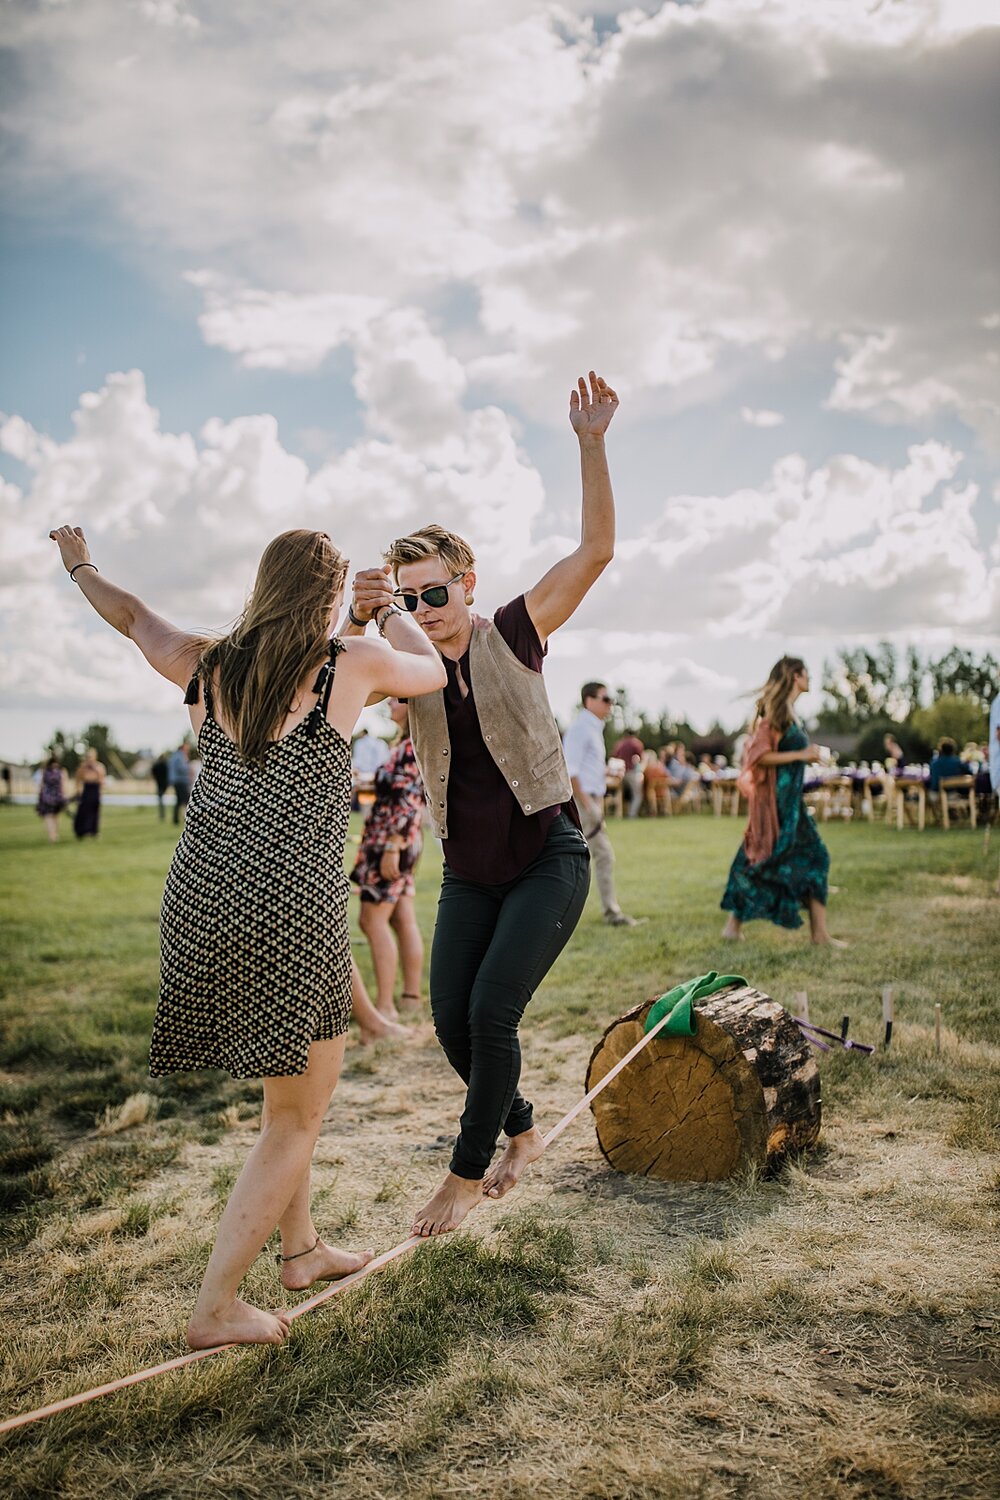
603	857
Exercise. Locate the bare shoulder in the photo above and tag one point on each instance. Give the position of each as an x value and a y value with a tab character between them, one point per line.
360	653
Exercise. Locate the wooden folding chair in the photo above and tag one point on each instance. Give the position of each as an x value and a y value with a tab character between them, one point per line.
965	800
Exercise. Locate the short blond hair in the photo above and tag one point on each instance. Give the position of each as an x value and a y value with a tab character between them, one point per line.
431	541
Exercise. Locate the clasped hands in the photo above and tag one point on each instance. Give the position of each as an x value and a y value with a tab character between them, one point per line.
372	592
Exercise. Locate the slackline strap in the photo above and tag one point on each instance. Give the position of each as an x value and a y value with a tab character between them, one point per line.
331	1291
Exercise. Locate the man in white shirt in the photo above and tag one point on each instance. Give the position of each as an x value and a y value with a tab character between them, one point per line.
583	744
368	752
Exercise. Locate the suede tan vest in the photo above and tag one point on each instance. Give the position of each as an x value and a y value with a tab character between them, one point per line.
517	724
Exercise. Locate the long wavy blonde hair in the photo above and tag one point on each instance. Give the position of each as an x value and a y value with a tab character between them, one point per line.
282	634
772	702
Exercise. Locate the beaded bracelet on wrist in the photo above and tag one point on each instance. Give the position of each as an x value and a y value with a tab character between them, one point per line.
380	623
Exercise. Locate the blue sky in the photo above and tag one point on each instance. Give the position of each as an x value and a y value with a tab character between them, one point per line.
263	271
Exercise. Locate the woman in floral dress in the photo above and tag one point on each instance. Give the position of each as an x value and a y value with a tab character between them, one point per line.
51	797
390	848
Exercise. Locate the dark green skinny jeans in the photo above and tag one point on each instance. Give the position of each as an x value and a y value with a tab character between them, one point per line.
493	946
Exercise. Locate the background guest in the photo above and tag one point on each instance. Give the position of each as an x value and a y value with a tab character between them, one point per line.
383	871
161	780
895	755
583	744
179	777
51	796
630	750
783	863
90	775
946	762
368	752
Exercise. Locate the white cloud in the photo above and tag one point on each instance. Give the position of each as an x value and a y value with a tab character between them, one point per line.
844	549
182	521
693	185
762	418
849	548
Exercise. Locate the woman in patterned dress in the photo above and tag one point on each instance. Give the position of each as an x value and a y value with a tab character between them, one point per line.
51	796
383	871
255	951
783	863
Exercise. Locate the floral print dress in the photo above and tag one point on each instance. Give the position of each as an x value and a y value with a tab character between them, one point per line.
395	818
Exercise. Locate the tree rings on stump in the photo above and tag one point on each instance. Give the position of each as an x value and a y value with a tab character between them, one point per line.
739	1094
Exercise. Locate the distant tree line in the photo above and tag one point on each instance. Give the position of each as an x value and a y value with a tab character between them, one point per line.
866	694
869	693
71	747
655	733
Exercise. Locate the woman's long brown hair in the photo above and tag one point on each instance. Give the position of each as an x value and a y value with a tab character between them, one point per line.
772	704
282	634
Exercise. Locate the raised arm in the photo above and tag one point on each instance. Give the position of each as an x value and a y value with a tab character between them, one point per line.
555	596
169	650
403	665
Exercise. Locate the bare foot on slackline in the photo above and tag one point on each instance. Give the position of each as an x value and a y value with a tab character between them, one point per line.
325	1263
239	1324
449	1206
521	1151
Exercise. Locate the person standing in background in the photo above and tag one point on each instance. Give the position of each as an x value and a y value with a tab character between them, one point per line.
179	777
782	864
383	871
51	796
161	780
583	744
994	745
90	775
631	750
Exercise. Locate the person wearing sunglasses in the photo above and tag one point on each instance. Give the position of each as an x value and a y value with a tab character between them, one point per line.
516	865
583	743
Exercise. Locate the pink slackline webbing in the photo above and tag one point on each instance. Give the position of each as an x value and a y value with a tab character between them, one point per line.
324	1296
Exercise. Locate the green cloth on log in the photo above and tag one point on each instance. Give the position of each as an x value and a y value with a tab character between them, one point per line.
680	1002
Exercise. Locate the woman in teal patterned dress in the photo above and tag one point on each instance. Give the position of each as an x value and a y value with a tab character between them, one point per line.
782	864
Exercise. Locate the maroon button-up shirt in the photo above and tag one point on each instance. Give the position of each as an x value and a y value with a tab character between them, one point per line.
490	840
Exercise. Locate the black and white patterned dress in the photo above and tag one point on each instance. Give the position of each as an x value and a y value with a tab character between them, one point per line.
255	956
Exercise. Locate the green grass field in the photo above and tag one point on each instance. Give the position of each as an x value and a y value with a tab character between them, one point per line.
828	1332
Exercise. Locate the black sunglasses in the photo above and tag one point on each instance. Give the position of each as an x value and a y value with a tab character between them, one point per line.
436	596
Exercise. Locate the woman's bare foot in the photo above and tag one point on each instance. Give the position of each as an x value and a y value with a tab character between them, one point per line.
521	1151
325	1263
409	1003
826	941
239	1324
381	1030
388	1010
449	1206
733	931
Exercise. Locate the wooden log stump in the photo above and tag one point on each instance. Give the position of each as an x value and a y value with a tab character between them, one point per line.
739	1094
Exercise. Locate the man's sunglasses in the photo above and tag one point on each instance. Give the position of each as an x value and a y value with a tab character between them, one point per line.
436	596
